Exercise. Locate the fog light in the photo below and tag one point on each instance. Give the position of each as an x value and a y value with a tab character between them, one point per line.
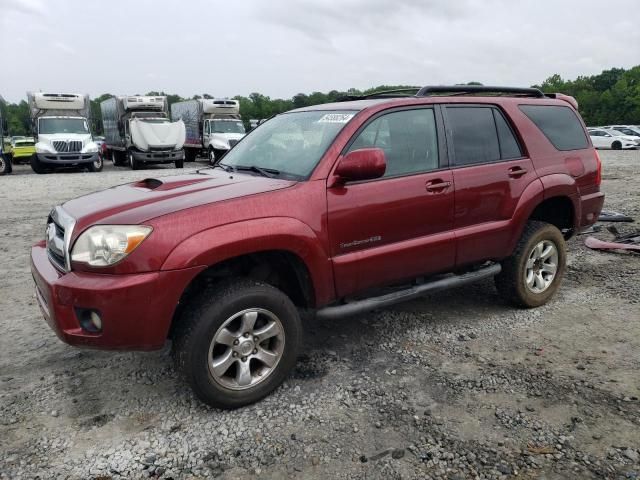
89	319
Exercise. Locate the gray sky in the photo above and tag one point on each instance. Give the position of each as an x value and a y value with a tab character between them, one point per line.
282	47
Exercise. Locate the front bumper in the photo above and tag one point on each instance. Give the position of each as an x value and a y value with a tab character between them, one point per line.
136	309
158	156
23	153
68	159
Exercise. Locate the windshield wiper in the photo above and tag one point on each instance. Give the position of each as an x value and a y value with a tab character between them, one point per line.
265	172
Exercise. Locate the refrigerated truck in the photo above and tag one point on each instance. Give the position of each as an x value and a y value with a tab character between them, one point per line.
137	131
61	130
213	126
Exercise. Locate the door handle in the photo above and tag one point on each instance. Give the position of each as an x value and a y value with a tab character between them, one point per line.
437	186
517	172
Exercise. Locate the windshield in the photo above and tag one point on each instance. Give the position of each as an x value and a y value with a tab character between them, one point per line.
227	126
48	126
291	143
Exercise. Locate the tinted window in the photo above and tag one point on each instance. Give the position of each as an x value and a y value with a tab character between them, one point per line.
408	138
475	139
559	124
509	147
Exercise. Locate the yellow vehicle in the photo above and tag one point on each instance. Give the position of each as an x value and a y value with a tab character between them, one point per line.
22	149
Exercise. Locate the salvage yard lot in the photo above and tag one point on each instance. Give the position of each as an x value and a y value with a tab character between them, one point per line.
454	385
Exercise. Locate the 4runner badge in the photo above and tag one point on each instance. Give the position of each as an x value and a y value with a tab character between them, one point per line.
356	243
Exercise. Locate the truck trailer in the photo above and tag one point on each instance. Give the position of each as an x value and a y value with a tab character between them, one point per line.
61	130
137	131
213	126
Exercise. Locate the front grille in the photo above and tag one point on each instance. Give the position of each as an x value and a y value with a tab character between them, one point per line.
59	227
64	146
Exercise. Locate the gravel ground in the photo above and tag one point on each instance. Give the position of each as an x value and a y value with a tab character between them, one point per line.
455	385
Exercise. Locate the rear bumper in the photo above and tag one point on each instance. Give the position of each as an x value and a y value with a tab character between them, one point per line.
136	310
590	208
158	156
69	159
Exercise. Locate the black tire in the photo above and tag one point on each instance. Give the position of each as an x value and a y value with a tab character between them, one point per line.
204	316
511	282
179	163
133	163
37	166
5	163
189	155
96	166
616	145
212	156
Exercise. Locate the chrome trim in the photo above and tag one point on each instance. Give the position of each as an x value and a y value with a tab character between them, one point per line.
66	221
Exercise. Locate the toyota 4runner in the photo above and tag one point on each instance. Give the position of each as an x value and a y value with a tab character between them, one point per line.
316	210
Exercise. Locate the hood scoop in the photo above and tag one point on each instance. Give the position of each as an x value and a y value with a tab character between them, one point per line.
148	183
160	186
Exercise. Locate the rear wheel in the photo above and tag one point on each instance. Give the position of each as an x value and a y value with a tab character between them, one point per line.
616	145
533	273
236	342
36	165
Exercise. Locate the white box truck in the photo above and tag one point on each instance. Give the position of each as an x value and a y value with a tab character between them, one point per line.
137	131
213	126
61	130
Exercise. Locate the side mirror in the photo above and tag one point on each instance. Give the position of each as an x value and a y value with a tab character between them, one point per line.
362	164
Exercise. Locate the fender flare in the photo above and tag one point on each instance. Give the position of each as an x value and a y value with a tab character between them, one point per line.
253	236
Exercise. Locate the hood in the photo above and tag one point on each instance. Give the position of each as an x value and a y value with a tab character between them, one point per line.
147	135
53	137
139	202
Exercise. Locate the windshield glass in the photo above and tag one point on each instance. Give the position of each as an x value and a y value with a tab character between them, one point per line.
62	125
227	126
291	143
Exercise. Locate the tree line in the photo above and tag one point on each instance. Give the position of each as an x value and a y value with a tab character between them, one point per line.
612	96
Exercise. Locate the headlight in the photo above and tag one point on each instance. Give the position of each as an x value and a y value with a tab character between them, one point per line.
44	148
90	148
104	245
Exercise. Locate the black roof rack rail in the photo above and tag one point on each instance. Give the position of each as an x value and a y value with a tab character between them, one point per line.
406	92
470	89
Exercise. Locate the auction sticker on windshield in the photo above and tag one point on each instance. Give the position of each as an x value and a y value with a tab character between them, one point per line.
336	118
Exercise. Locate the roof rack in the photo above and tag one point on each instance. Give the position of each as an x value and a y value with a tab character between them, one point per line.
471	89
398	92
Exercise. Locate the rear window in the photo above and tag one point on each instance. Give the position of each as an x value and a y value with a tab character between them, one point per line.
559	124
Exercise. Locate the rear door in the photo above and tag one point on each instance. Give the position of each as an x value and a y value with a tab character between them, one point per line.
490	172
399	226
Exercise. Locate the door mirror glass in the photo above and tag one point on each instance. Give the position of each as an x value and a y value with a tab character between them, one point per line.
362	164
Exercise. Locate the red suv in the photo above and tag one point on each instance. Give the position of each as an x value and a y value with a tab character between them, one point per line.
316	210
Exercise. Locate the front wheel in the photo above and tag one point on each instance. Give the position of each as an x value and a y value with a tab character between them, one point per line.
237	342
179	163
212	156
133	163
533	273
97	165
36	165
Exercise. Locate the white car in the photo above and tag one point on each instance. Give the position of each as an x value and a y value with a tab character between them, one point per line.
613	139
629	130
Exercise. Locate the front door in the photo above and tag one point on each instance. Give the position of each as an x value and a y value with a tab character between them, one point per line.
399	226
206	132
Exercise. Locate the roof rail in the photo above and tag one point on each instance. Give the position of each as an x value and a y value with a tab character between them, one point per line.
471	89
406	92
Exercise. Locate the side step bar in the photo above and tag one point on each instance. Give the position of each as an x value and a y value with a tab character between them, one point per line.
360	306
